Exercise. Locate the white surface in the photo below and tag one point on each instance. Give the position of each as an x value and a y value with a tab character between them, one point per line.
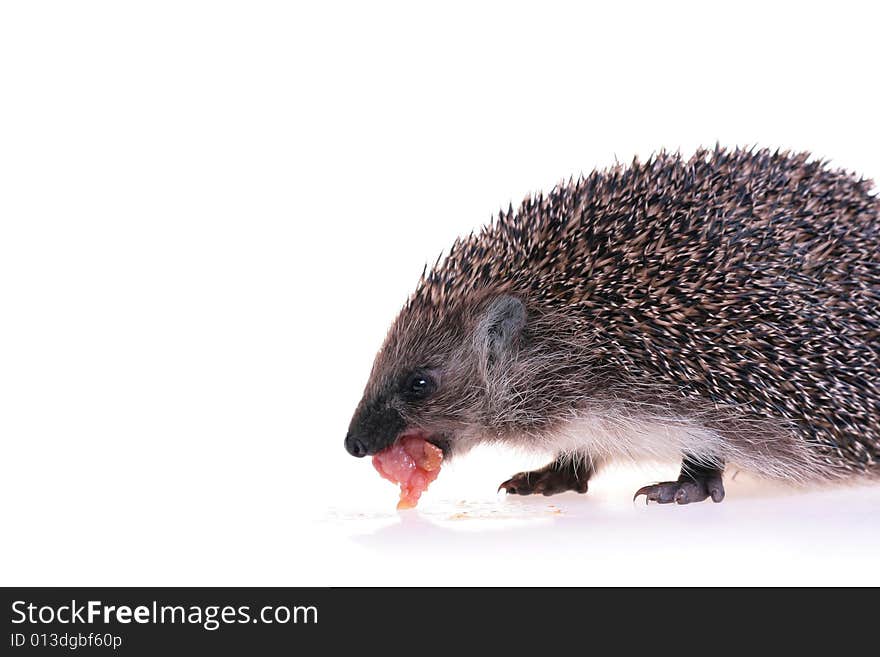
210	213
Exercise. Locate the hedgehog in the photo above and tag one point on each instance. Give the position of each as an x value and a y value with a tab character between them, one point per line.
722	311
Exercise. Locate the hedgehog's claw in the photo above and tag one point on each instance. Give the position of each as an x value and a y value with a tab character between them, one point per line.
644	490
662	493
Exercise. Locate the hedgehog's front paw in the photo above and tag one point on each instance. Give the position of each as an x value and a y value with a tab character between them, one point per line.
549	480
683	491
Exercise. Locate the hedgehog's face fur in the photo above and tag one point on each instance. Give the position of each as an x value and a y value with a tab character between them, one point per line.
438	374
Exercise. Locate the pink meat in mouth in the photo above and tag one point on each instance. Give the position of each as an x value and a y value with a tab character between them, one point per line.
413	463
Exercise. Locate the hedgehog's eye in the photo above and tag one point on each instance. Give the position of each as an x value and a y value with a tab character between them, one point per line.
418	385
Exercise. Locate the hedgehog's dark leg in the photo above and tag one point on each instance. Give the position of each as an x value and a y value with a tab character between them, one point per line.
561	475
696	482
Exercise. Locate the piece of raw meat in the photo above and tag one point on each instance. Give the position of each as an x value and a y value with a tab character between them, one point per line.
413	463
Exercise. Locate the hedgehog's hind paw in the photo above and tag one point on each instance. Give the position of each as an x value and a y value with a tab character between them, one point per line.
684	491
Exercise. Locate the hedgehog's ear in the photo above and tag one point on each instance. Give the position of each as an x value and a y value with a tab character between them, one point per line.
500	328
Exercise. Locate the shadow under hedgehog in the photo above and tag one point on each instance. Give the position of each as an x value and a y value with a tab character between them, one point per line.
721	310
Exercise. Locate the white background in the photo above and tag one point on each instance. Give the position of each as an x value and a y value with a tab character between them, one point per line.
211	212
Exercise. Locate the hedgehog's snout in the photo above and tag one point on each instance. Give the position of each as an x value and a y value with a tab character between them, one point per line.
373	429
355	445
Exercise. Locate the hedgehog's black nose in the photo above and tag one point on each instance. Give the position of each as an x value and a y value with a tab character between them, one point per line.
355	446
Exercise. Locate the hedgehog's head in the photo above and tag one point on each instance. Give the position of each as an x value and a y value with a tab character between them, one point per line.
439	373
